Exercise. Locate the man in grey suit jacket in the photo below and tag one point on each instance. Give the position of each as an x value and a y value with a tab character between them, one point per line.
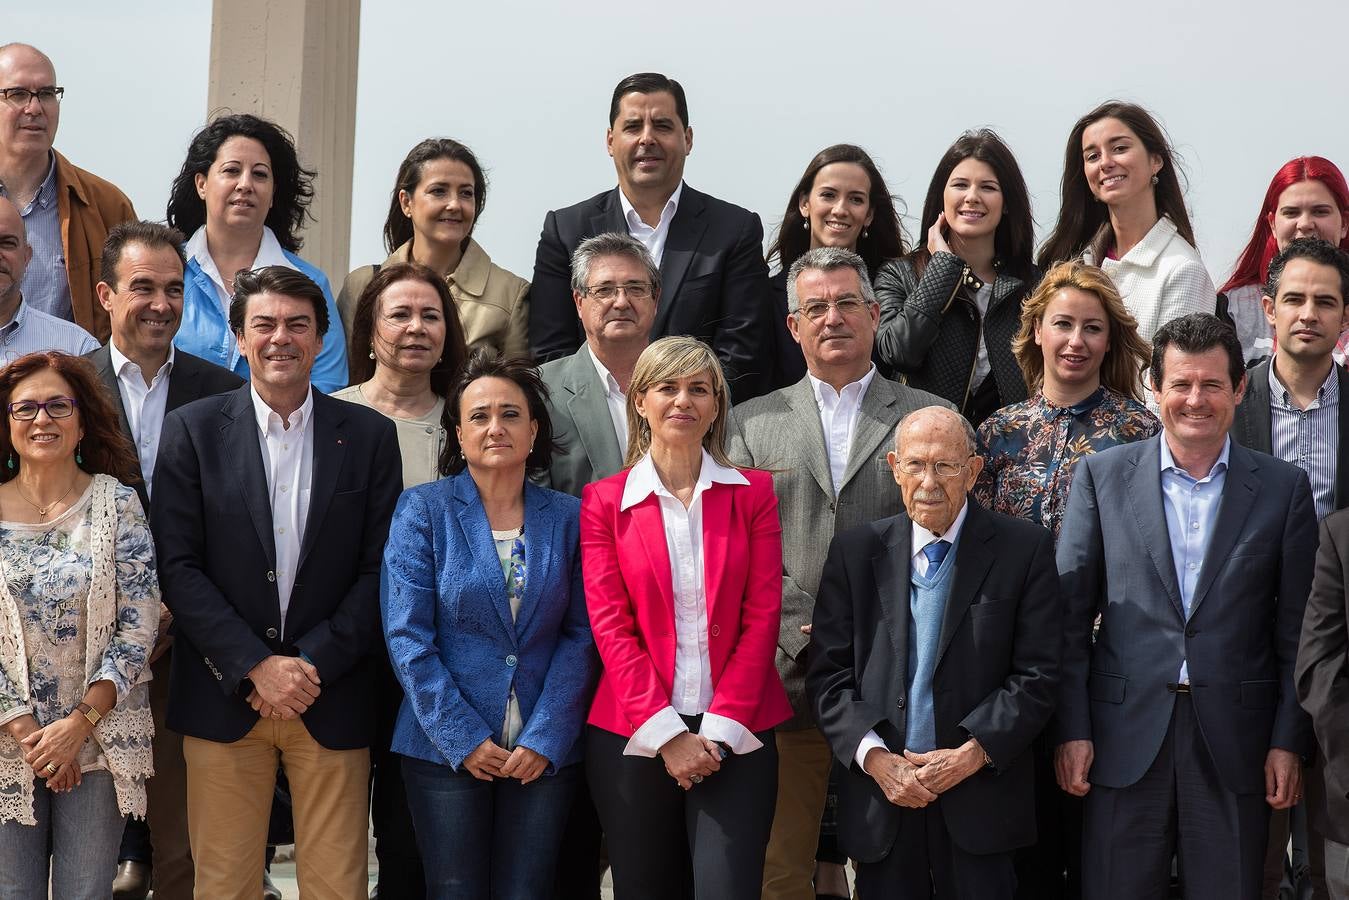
1178	723
615	285
825	439
141	288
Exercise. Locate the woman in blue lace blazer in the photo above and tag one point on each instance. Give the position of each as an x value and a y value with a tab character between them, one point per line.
486	624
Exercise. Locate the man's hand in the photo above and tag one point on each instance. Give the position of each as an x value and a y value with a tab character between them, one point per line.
287	683
1072	762
941	770
1283	778
897	779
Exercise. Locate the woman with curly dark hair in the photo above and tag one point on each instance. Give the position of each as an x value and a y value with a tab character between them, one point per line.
241	198
79	613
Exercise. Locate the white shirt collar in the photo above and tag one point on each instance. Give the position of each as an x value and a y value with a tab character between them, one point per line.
1169	461
856	388
270	253
263	413
606	377
643	480
922	537
120	362
666	214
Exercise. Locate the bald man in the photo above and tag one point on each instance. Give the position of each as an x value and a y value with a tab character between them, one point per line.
66	211
24	329
932	704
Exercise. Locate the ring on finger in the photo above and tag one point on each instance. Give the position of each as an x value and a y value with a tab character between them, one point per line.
696	779
49	769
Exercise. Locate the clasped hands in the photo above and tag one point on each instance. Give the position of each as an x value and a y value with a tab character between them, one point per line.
55	745
914	780
283	687
489	761
689	758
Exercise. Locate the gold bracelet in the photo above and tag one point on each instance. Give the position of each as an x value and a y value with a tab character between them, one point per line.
89	713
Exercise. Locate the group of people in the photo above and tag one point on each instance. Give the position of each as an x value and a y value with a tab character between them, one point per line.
613	564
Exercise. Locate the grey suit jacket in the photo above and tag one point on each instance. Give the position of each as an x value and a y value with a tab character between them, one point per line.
781	432
581	424
1240	639
1252	422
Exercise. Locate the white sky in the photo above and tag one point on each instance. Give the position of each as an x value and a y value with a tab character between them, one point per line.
527	86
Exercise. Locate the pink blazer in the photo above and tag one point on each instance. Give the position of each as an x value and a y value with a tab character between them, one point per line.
630	595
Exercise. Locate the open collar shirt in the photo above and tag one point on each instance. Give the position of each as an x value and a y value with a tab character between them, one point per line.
144	406
288	460
652	237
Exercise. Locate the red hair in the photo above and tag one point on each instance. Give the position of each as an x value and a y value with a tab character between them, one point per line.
1253	264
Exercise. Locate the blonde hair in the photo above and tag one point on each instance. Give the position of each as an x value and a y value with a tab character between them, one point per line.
668	359
1126	357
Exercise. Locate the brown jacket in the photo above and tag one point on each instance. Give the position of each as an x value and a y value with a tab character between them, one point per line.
493	303
89	207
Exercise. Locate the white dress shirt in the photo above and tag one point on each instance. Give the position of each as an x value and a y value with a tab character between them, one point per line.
692	685
269	254
652	237
921	537
838	418
144	406
288	460
616	400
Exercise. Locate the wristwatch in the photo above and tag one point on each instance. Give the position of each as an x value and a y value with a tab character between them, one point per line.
89	712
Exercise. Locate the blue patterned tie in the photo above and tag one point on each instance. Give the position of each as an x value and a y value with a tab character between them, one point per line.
935	553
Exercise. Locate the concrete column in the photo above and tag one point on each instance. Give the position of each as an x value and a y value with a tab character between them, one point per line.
294	62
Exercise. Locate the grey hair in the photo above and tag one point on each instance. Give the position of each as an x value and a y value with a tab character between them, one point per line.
970	438
828	259
611	243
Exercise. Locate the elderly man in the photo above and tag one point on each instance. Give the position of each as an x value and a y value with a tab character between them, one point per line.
67	210
710	252
270	509
24	328
825	440
934	664
1186	561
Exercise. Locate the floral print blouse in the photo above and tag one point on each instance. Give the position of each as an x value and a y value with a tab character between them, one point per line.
48	569
1029	449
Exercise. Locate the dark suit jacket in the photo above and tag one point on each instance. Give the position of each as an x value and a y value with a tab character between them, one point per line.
996	677
581	424
1252	422
1323	676
213	535
1241	637
190	379
714	283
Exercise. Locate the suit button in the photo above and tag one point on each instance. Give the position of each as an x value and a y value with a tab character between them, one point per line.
271	634
1191	632
271	576
900	704
511	660
219	677
716	631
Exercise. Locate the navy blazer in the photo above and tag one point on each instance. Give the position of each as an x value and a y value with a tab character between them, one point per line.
212	522
1241	637
452	643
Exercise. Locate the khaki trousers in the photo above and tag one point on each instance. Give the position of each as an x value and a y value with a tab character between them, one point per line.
804	760
229	800
166	798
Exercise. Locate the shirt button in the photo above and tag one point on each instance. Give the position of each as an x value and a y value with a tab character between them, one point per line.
285	446
1194	525
283	488
271	634
281	530
1191	567
511	660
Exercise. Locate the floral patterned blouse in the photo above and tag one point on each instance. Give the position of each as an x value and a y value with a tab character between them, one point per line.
1029	449
48	569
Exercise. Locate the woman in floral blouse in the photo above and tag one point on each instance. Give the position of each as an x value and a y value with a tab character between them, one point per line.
79	611
1079	348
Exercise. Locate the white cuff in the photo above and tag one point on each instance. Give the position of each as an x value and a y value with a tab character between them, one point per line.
729	732
655	731
870	740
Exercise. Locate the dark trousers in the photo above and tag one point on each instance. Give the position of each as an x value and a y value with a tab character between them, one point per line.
1179	808
1051	868
666	843
400	864
925	863
578	860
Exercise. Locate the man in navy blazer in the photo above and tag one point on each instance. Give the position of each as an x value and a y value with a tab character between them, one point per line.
271	507
1178	722
710	252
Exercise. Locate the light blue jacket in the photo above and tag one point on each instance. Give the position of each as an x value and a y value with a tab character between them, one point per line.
453	646
205	331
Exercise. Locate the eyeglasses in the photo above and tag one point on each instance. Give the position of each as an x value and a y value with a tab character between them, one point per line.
818	309
633	290
57	408
943	468
19	97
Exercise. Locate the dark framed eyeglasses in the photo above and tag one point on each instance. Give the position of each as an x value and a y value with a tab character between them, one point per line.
56	407
19	97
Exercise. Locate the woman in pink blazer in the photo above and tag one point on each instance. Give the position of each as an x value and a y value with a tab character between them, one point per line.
682	557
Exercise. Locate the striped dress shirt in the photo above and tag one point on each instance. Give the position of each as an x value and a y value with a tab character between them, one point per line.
1308	438
46	285
32	330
